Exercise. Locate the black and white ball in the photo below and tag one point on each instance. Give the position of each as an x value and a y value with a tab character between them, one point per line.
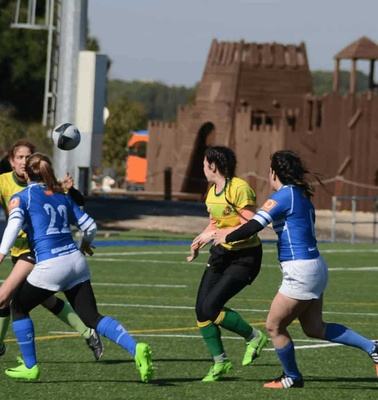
68	136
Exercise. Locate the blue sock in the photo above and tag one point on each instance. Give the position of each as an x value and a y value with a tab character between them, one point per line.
113	330
337	333
24	331
287	358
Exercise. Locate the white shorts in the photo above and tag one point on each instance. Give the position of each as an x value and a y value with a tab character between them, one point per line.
304	279
60	273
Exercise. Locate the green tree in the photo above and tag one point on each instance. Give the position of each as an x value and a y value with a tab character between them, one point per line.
124	116
160	101
22	63
12	130
322	82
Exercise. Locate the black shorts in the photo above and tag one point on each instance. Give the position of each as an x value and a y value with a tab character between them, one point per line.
29	257
241	264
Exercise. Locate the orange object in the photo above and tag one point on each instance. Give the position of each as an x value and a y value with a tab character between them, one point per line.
136	164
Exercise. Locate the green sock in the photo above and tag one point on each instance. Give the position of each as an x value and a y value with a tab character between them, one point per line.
212	337
69	316
233	322
4	323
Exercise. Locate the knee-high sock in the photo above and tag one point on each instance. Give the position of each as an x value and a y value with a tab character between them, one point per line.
113	330
337	333
67	314
287	358
24	332
212	336
4	322
232	321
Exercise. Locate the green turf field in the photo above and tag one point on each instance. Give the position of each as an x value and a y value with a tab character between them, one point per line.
151	290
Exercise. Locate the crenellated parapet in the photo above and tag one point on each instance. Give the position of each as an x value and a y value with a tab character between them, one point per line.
257	98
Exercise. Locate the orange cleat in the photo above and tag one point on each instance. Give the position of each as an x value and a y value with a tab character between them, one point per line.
374	356
285	382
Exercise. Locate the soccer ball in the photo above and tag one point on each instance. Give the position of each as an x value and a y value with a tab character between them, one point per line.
68	136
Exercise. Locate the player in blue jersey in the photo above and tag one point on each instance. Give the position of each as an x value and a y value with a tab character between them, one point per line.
305	272
23	258
46	213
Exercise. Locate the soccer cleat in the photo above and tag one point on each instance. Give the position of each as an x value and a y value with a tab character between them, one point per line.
95	344
217	370
374	356
23	372
143	361
285	382
3	349
254	348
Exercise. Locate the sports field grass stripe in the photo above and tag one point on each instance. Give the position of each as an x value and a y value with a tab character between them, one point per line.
237	309
170	262
139	285
317	343
163	252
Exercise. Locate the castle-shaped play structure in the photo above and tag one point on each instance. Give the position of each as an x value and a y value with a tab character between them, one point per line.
257	98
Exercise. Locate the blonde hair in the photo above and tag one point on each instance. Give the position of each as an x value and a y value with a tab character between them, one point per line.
39	169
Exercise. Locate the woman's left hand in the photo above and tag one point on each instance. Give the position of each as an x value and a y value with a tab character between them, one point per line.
220	238
203	239
67	182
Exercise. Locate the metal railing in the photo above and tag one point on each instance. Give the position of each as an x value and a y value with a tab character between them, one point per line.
354	221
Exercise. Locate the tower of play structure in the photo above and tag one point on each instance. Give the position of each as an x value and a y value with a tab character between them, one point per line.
257	98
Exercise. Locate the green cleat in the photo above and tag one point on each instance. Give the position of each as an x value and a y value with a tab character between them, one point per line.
23	372
143	361
254	348
217	370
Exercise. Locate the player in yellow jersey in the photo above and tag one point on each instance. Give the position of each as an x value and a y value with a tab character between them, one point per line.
23	258
231	267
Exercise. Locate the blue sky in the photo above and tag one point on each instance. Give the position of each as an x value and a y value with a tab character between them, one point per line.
169	40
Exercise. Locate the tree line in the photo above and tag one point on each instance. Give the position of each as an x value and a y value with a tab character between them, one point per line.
131	104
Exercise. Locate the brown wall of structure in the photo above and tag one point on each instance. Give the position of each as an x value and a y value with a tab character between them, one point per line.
256	99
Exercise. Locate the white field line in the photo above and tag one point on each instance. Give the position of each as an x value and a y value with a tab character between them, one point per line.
137	253
236	309
317	343
138	285
104	257
169	262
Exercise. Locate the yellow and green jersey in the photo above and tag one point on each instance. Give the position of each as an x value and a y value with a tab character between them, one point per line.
225	207
9	185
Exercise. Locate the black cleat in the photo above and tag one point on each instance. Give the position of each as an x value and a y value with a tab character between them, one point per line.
3	349
95	344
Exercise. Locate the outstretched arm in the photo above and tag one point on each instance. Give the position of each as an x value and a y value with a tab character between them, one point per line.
76	195
12	229
247	230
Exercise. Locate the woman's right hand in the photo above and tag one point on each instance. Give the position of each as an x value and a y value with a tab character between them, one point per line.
86	248
194	251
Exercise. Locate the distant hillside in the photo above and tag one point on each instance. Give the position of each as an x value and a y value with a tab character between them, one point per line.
322	82
161	101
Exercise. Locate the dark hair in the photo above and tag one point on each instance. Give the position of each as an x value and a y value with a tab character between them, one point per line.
223	158
39	169
225	161
21	143
290	170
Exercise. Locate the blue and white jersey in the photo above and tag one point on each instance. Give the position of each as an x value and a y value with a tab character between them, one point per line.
293	218
46	218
